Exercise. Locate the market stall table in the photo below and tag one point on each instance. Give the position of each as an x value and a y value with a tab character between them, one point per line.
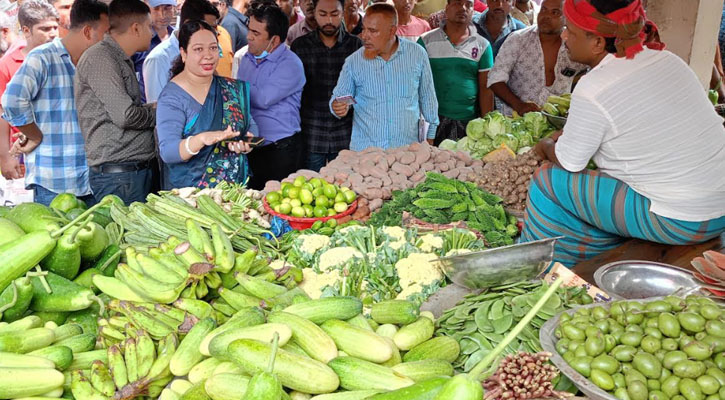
636	249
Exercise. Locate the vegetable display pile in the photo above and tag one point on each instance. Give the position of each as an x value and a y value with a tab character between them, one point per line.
509	179
479	322
672	348
442	200
496	131
375	173
523	376
164	215
376	264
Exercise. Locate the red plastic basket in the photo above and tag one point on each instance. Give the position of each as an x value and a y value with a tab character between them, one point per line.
305	223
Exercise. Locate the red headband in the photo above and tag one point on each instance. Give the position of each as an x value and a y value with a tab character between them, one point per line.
626	24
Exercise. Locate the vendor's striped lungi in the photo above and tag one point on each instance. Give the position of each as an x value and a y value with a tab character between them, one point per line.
596	213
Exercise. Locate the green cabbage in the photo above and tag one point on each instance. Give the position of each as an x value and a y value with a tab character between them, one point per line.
509	140
462	144
475	128
448	144
496	124
537	124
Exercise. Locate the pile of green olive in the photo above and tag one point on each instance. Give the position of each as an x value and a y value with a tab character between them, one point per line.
669	349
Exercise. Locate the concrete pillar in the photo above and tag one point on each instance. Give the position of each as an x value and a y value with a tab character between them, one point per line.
690	29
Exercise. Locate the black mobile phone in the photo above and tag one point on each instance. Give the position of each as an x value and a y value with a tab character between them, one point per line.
253	141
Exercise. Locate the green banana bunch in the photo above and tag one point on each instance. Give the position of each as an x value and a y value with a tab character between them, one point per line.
136	367
158	320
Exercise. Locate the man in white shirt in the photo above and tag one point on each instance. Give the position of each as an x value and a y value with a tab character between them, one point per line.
642	116
533	64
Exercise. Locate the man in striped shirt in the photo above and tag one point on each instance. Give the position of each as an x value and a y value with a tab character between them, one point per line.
390	83
460	59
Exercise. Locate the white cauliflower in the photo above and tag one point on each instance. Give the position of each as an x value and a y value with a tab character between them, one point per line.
395	232
337	256
417	270
348	229
313	283
397	244
430	243
310	244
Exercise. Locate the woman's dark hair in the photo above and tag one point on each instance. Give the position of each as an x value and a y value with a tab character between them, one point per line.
274	19
188	29
605	7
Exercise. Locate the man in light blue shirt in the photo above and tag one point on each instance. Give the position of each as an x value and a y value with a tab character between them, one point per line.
390	83
157	66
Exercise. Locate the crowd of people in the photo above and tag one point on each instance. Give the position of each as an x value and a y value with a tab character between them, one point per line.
133	96
128	98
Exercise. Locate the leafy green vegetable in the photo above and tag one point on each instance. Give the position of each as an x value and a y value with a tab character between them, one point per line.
448	144
495	124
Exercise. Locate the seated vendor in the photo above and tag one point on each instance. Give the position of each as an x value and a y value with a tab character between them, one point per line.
644	118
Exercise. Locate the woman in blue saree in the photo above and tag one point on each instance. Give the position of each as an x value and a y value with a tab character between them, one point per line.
201	118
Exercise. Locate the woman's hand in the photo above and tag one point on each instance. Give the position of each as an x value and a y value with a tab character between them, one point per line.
214	137
241	146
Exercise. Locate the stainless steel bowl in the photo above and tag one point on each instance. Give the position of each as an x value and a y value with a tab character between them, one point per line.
635	279
555	120
499	266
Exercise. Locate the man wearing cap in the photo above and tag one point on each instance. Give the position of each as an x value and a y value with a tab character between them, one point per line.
642	116
162	14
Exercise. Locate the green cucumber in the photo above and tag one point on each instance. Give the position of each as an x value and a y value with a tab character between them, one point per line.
108	260
66	295
79	343
27	341
425	390
51	316
9	231
62	356
65	259
22	290
85	279
87	319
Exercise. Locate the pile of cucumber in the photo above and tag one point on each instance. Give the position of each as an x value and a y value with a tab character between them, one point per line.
668	349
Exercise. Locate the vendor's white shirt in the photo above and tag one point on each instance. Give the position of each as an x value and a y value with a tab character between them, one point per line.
648	122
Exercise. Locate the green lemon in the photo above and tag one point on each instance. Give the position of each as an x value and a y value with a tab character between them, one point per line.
308	186
306	196
340	206
309	211
298	212
318	191
294	192
331	212
299	181
339	197
273	197
286	200
276	208
330	191
349	196
295	203
316	182
285	208
322	201
319	211
286	186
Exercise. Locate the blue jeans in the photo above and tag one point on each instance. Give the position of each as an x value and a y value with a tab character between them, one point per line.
44	196
315	161
129	186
